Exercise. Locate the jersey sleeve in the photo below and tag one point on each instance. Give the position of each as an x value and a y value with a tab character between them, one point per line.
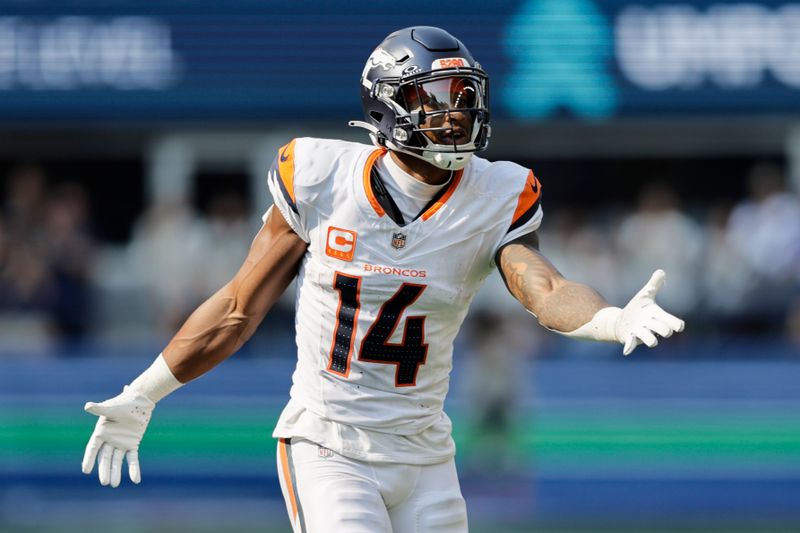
528	213
281	181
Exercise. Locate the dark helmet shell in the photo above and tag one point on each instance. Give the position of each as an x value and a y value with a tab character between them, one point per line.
415	55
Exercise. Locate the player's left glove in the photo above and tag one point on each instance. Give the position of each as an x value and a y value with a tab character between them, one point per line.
637	323
642	318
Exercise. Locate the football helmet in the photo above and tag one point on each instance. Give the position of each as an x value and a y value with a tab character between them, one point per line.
423	94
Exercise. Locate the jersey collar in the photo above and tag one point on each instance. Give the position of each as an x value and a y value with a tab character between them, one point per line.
436	204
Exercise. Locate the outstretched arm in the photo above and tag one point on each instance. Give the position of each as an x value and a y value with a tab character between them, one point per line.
558	303
222	324
576	310
212	333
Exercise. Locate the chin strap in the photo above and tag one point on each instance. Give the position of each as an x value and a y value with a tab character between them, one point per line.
451	161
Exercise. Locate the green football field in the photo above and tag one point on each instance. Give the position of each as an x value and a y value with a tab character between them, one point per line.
600	442
46	435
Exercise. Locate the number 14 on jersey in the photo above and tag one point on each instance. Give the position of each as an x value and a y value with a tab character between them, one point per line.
407	356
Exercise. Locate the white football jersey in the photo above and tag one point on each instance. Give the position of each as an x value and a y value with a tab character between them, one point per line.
379	304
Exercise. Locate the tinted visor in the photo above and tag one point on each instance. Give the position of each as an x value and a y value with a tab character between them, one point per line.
441	95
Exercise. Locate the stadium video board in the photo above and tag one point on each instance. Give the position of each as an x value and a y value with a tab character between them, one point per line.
127	61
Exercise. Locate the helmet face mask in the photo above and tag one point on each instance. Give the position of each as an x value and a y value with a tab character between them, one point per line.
424	95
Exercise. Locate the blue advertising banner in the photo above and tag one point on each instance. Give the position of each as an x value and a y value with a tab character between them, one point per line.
176	61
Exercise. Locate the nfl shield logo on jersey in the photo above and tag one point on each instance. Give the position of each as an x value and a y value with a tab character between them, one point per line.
398	241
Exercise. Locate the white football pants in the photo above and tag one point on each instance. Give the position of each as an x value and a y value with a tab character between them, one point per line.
328	493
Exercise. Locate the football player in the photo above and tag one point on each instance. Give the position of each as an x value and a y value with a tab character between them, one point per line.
389	242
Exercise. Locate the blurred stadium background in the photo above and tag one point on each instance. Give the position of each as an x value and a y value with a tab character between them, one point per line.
134	138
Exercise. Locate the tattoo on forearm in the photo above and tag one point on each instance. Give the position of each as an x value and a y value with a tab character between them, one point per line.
525	275
558	303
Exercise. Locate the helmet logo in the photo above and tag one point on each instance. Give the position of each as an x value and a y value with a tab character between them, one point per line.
411	69
381	57
449	62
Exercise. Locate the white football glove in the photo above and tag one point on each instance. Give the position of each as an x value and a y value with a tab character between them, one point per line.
123	421
637	323
642	318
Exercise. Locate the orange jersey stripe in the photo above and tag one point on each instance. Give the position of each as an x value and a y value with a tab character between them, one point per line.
286	167
288	477
528	197
446	196
368	186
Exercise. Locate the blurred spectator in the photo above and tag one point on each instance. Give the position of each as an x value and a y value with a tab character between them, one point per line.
764	233
69	249
764	229
229	232
500	337
25	202
495	385
25	278
45	260
727	281
168	250
25	274
659	235
582	249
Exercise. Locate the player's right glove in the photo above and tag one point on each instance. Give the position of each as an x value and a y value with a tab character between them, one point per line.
636	323
123	421
117	434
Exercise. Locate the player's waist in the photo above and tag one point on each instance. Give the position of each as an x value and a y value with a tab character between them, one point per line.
405	415
433	445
